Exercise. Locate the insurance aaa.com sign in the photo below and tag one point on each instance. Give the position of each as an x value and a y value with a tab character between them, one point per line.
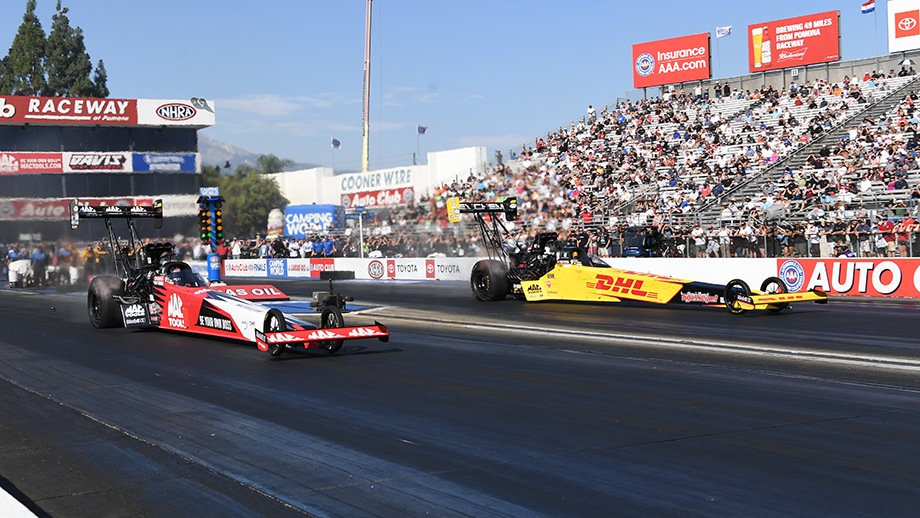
674	60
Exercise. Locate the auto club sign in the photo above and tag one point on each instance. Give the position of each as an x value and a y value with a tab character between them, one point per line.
380	198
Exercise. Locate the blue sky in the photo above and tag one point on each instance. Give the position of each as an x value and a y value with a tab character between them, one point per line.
287	74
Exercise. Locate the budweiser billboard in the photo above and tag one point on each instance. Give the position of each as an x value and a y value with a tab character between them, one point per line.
903	25
794	42
674	60
87	111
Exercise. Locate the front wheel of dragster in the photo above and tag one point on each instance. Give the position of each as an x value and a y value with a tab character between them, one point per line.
775	285
103	309
733	289
332	317
274	322
489	280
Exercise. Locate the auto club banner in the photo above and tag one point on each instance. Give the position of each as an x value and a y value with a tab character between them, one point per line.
36	209
858	277
381	198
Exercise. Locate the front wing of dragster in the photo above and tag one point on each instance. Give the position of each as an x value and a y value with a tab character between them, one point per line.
314	338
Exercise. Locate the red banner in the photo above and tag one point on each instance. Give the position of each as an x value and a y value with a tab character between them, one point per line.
674	60
58	111
36	209
794	42
858	277
382	198
26	163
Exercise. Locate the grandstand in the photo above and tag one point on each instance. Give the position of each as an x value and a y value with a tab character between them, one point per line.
722	155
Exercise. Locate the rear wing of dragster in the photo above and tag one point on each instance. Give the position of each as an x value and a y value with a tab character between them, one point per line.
455	207
78	212
493	231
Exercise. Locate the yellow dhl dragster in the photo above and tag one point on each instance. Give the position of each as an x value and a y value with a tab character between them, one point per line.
552	269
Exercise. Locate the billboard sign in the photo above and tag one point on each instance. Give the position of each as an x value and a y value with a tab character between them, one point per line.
165	162
673	60
794	42
381	198
93	111
31	163
903	25
302	220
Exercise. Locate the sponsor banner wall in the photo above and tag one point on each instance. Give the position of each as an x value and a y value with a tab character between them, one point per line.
869	277
64	111
35	209
440	268
794	42
382	198
303	220
903	25
21	163
673	60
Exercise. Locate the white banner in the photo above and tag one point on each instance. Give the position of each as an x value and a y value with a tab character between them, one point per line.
903	25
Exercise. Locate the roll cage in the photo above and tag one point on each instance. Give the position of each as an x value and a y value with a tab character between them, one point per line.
527	264
135	264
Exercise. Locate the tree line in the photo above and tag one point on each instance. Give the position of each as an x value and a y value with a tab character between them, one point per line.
56	65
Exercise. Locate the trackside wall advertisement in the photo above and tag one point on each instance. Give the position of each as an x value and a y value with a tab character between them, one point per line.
868	277
853	277
674	60
903	25
794	42
439	268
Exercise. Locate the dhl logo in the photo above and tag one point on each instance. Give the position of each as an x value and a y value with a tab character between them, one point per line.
620	285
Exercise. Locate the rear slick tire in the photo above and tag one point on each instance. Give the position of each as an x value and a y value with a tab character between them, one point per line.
489	280
104	311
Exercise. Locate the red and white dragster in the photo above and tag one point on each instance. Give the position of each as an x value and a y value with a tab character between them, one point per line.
152	288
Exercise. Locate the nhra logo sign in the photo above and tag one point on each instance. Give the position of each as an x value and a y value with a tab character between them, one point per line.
176	112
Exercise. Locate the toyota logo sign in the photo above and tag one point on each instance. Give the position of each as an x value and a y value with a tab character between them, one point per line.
907	24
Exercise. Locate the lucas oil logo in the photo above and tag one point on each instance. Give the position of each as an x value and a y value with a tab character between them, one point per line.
174	311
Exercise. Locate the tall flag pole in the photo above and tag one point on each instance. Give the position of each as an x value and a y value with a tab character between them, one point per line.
869	7
366	107
420	131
